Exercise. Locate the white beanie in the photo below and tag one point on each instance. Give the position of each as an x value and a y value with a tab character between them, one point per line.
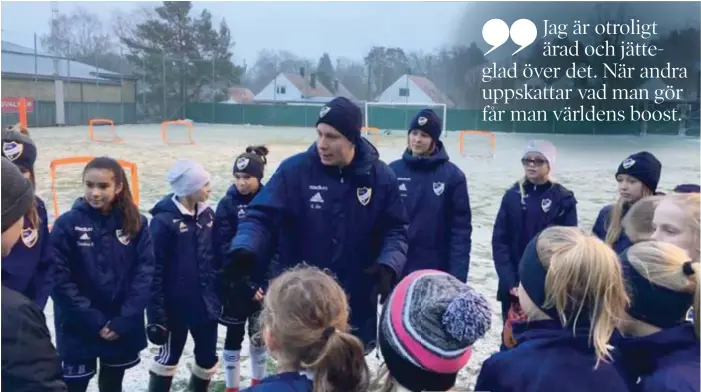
186	177
543	147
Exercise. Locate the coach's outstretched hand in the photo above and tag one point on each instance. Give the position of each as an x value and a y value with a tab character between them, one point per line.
384	279
239	264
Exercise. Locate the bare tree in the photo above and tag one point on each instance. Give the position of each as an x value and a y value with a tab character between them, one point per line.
80	34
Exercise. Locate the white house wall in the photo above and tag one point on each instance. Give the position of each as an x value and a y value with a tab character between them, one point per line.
268	92
416	94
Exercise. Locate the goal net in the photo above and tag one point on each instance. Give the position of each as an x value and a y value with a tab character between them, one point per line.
396	116
476	143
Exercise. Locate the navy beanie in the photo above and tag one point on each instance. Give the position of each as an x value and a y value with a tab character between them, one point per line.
651	303
250	163
428	121
19	149
343	115
643	166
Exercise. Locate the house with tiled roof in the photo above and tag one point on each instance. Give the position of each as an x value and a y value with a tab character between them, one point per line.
414	89
292	87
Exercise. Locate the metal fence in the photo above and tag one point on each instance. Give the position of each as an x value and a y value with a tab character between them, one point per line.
152	86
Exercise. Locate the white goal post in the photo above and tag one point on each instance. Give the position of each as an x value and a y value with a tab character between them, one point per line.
442	106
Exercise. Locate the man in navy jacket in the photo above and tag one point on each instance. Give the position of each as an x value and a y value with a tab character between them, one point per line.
335	206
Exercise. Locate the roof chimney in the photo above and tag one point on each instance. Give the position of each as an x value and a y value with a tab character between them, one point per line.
312	82
335	85
301	72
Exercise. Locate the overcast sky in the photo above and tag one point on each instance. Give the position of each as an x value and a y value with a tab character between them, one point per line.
350	29
307	29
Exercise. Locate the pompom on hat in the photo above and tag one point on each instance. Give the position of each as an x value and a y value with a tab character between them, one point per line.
427	328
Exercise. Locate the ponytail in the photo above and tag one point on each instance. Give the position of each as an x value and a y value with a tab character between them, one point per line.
340	365
131	218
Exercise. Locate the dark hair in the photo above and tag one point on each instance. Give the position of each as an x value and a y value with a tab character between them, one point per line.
260	151
33	214
131	219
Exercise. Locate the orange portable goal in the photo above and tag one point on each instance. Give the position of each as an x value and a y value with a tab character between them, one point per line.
370	130
481	134
102	121
23	112
164	131
131	166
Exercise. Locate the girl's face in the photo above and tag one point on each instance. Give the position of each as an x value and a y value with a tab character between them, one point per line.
669	226
100	188
420	143
630	189
535	166
202	195
246	183
11	236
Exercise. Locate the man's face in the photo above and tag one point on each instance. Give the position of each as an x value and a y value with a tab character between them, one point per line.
333	148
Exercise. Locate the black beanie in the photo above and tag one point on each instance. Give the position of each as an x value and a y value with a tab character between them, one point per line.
343	115
250	163
19	149
643	166
428	121
17	194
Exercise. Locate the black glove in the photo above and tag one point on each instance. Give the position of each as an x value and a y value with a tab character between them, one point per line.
239	264
237	302
157	334
384	278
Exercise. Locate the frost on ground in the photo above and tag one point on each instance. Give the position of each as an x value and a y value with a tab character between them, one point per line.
585	164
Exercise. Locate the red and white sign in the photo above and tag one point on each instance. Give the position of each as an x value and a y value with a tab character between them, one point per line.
11	104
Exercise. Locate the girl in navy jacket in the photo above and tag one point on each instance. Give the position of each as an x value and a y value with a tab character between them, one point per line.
245	305
104	269
184	296
637	177
573	294
531	205
660	351
28	268
304	324
437	202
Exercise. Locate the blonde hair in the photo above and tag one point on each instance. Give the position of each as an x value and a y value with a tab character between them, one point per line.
522	185
637	224
300	308
663	264
614	225
584	274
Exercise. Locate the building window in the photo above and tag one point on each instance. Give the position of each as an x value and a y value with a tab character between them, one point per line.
281	90
403	92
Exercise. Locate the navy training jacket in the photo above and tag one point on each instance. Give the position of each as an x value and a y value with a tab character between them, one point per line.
101	276
231	209
666	361
283	382
518	222
28	269
344	219
185	283
438	206
548	358
600	229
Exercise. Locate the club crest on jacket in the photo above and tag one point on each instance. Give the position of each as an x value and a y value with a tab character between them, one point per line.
29	237
545	204
364	195
122	237
438	188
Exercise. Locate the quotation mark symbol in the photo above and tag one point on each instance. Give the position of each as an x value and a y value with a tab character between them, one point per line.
496	32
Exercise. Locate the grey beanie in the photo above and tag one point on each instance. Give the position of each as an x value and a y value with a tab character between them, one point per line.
17	194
